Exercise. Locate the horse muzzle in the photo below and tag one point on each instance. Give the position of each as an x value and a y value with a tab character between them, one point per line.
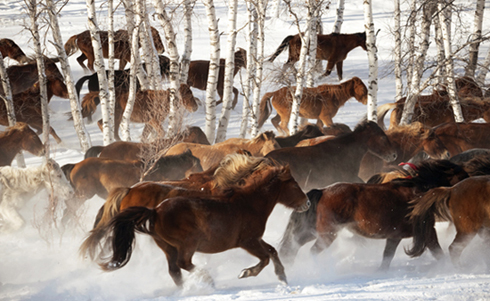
390	157
304	207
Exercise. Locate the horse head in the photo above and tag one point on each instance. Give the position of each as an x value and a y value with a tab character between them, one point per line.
433	146
290	194
190	102
360	90
361	39
377	142
240	58
266	141
55	180
29	139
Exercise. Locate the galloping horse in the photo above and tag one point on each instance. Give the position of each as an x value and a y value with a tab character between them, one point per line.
408	141
17	138
308	131
199	70
182	226
212	154
321	103
371	210
335	160
331	47
122	47
8	48
27	105
460	137
466	205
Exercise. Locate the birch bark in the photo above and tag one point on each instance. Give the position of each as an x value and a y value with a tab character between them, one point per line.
474	46
372	51
339	17
186	55
261	6
398	52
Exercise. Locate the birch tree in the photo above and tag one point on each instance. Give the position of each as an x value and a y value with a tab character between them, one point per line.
80	129
411	40
441	56
372	51
398	52
110	77
100	68
149	51
186	55
313	43
229	69
476	37
214	58
339	17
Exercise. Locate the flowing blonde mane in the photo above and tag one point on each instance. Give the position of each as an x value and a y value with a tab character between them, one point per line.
236	167
19	126
415	129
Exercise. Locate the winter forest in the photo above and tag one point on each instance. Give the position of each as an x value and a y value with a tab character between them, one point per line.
246	150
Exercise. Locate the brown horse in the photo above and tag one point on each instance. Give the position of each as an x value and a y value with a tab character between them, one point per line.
371	210
408	141
183	225
335	160
8	48
199	70
17	138
460	137
321	103
130	151
212	154
308	131
332	47
122	47
466	205
27	105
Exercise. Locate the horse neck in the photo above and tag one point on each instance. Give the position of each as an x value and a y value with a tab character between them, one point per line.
260	197
11	144
407	147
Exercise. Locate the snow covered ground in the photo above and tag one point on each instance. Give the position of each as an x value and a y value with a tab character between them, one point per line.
48	267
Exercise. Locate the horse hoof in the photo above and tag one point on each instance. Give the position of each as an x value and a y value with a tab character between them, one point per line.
244	274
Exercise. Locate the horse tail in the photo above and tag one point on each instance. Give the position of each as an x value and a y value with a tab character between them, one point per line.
94	151
284	45
301	228
71	45
382	110
123	227
432	203
80	83
265	108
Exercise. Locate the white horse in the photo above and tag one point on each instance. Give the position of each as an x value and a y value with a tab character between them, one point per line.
19	185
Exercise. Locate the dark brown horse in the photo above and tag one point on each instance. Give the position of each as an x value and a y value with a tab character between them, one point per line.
331	47
130	151
371	210
27	105
182	226
466	205
8	48
335	160
306	132
408	141
460	137
122	47
212	154
321	103
17	138
199	70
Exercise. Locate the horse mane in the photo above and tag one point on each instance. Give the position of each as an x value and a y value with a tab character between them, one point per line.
414	129
21	179
265	136
363	124
340	91
19	126
396	173
478	166
234	168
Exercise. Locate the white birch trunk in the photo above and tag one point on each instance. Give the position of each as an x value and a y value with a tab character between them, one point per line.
155	60
174	118
149	51
251	70
477	27
372	51
229	68
411	41
398	52
110	78
310	80
277	8
453	97
41	73
259	63
212	83
100	68
441	56
83	135
186	55
339	18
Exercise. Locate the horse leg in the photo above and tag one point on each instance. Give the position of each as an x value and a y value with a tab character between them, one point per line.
256	248
485	235
184	261
457	246
389	252
72	206
80	60
235	98
434	246
12	220
329	68
325	239
278	267
172	255
339	69
275	122
55	136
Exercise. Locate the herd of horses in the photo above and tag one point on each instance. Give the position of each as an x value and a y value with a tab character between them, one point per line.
194	196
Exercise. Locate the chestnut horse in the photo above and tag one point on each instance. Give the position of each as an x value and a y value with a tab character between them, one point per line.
212	154
308	131
332	47
130	151
182	226
16	138
122	47
199	70
460	137
321	103
371	210
8	48
335	160
466	205
27	105
408	141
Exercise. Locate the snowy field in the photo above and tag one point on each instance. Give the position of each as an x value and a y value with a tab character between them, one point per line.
49	267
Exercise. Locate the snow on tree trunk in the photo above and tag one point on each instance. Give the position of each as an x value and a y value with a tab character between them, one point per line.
100	68
110	78
339	18
83	135
229	68
310	80
441	56
259	63
212	83
251	70
477	27
373	61
451	86
186	55
398	52
411	41
174	117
